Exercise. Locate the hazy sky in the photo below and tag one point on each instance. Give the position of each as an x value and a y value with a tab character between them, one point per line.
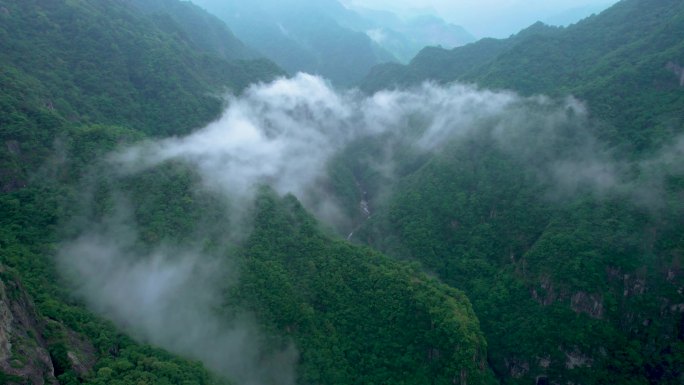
495	18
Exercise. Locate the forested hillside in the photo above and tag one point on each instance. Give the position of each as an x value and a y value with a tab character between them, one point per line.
111	277
568	241
204	30
76	79
70	64
624	62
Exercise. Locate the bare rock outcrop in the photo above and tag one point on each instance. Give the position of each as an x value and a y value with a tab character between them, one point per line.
591	304
23	352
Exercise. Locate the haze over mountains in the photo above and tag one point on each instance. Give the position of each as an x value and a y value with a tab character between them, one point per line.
492	18
177	208
326	38
405	37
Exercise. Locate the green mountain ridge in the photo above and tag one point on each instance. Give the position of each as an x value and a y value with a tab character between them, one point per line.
371	339
619	70
204	30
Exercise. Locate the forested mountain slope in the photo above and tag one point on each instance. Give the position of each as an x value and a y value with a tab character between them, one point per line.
75	63
285	302
438	64
76	78
568	241
624	62
327	311
203	29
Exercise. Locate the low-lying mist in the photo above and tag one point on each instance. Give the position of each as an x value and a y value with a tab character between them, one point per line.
171	296
283	134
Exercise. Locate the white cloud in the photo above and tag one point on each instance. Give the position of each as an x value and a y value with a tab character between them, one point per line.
283	134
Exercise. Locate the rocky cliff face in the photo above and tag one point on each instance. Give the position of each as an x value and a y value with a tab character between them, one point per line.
27	355
24	353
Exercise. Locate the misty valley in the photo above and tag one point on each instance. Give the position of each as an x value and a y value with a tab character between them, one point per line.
302	192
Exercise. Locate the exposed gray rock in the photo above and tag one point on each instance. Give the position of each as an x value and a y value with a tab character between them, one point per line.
23	352
82	355
591	304
577	359
517	368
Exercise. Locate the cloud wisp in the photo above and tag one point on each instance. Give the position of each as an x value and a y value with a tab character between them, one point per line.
171	298
283	134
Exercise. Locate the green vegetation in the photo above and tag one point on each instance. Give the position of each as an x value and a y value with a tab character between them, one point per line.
66	64
78	79
593	279
204	30
624	73
356	316
582	288
27	242
82	78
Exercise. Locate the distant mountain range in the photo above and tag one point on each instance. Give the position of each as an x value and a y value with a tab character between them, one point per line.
327	38
406	37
